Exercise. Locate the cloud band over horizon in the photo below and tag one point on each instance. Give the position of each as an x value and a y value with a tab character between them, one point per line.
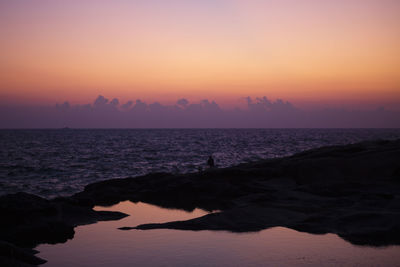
258	113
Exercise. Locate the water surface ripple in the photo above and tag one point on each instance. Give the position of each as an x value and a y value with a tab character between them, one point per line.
61	162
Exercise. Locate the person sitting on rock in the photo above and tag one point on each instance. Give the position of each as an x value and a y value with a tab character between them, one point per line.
210	162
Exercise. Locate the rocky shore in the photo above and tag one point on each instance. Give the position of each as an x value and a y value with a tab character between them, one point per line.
352	191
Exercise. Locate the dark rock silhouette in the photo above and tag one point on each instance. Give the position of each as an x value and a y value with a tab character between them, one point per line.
11	255
29	220
352	191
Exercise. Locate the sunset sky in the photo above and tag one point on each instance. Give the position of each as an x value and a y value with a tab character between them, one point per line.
309	52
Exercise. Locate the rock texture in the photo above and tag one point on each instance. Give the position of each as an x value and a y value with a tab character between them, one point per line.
29	220
352	191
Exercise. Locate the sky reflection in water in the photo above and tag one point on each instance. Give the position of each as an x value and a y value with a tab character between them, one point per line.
102	244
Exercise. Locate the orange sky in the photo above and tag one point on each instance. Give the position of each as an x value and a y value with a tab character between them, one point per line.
304	51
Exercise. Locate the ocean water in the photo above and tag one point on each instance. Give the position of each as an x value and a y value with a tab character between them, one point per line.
61	162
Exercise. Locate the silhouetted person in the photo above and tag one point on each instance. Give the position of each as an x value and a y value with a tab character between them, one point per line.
210	162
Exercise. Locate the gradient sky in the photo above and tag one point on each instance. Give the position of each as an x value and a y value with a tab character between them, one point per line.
310	52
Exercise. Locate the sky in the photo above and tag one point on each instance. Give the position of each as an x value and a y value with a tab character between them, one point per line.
260	112
310	52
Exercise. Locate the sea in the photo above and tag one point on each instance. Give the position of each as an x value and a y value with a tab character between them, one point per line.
60	162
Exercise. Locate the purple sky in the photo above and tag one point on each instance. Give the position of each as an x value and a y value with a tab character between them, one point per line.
256	113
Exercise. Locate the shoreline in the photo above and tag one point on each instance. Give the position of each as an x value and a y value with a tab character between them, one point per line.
352	191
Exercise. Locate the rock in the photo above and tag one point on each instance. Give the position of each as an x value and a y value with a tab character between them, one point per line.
28	220
352	191
11	255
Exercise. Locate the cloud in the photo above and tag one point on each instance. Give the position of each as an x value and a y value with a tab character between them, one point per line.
63	106
260	112
114	102
127	105
183	102
139	106
100	101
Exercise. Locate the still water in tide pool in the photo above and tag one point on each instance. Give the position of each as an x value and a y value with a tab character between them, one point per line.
61	162
102	244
